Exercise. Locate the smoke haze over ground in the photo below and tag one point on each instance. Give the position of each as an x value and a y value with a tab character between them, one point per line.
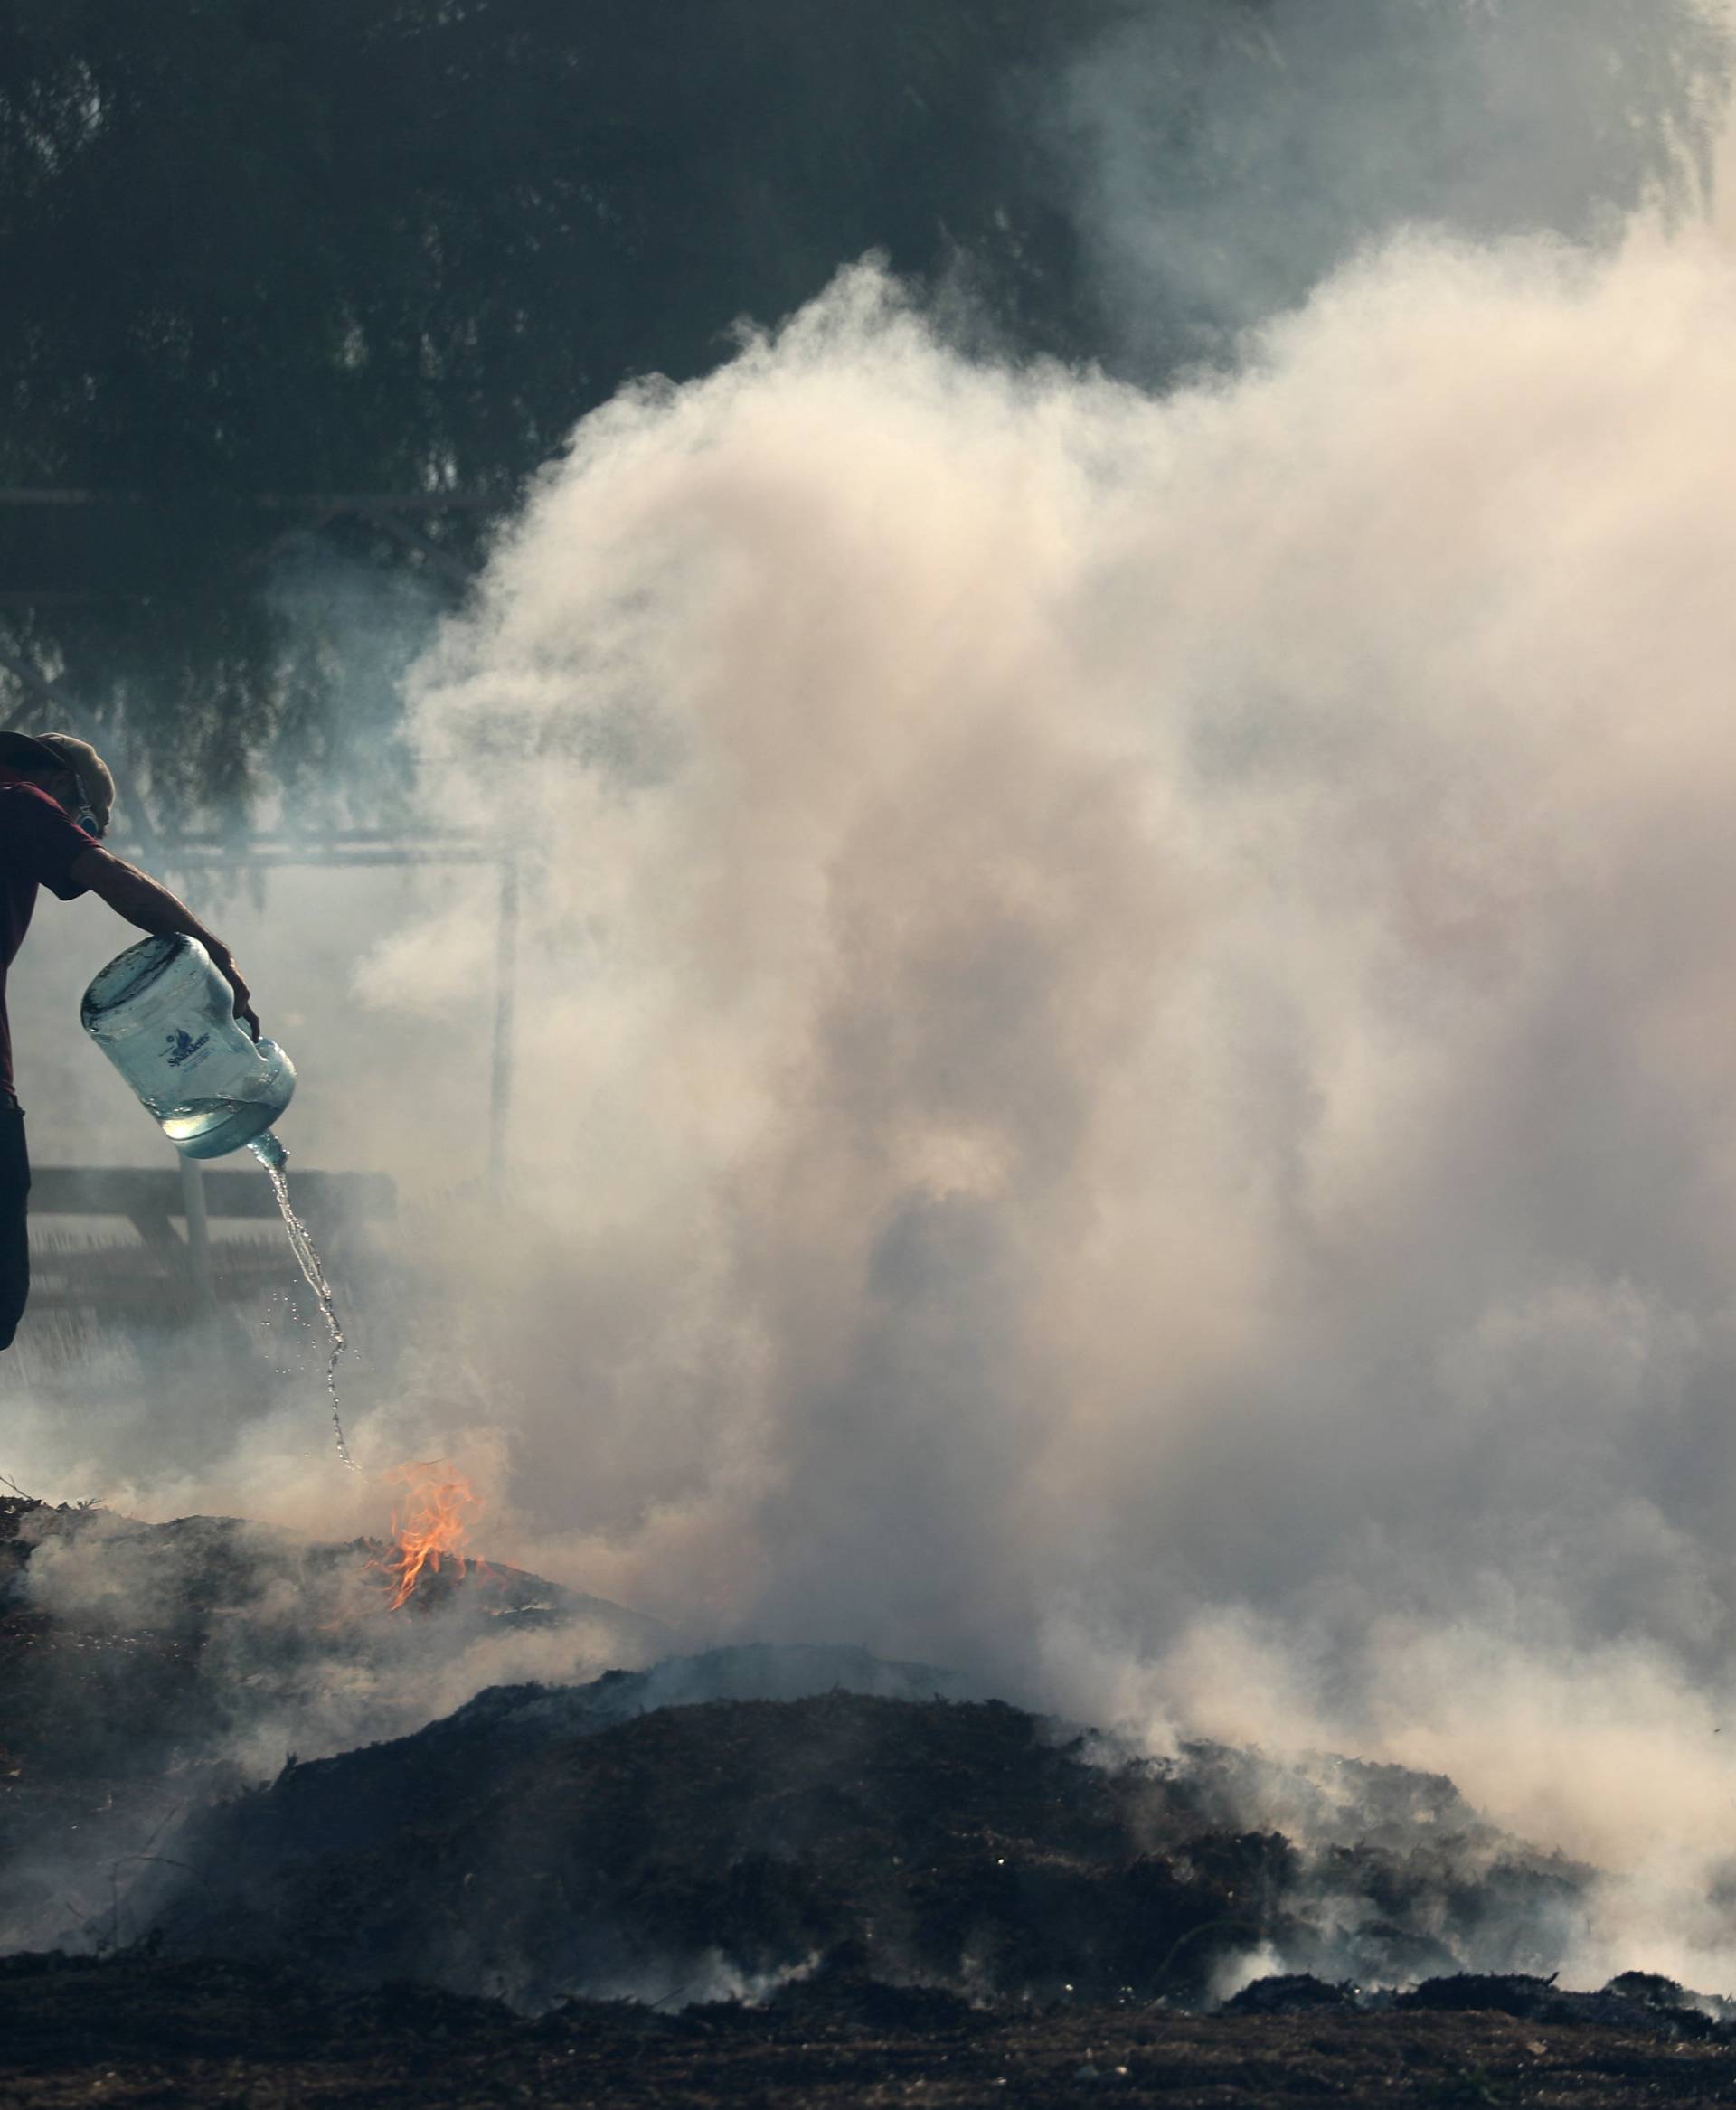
1128	1055
1142	994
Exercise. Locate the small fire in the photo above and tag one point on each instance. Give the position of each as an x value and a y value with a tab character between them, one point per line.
430	1526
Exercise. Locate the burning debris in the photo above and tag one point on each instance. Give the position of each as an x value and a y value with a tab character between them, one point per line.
844	1838
430	1527
146	1668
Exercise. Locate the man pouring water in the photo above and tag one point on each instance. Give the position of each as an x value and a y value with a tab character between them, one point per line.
56	796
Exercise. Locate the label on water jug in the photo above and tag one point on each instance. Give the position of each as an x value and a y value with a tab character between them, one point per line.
183	1049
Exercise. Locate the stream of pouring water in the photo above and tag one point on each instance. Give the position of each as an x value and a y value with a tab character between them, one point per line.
273	1156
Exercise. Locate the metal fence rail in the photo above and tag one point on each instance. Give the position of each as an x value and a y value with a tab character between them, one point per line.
186	1263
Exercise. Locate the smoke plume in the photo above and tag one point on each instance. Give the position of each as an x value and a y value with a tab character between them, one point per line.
1127	1077
1128	1057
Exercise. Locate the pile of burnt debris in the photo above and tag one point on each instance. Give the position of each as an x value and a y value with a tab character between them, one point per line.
539	1845
529	1848
813	1831
148	1669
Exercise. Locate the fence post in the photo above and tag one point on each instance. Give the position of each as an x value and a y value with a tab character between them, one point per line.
500	1095
193	1200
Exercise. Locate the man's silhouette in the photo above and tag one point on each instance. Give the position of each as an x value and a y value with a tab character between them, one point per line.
56	797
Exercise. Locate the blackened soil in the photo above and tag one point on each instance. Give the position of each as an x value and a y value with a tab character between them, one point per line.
140	2030
708	1849
953	1843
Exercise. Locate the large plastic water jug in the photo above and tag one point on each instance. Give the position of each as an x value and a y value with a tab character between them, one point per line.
165	1018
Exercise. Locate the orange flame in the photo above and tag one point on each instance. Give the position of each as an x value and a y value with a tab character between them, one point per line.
430	1526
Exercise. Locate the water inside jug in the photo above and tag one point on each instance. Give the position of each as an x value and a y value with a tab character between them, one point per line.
165	1018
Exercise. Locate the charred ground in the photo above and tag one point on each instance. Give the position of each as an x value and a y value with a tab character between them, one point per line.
140	2031
775	1874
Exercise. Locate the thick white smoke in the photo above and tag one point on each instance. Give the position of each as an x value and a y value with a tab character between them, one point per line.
1127	1041
1130	1067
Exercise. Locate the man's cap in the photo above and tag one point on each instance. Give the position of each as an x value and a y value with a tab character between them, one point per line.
19	751
42	754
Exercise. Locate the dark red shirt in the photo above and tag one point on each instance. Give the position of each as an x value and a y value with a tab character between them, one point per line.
39	846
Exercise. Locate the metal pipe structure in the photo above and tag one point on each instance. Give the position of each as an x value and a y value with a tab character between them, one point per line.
505	978
357	848
178	857
329	501
193	1202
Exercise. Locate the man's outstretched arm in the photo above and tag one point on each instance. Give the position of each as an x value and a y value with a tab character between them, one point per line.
150	906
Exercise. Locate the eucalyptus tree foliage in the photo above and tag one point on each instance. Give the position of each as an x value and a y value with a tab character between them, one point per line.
1223	160
400	246
252	251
